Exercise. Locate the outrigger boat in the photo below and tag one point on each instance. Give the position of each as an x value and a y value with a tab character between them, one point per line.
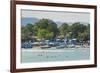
45	47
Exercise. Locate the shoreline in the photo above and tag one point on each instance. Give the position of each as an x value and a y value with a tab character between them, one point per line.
53	50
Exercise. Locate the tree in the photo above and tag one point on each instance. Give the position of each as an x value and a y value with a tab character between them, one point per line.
48	25
44	34
64	29
30	28
85	35
26	32
77	28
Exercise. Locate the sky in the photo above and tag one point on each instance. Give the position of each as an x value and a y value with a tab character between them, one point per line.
57	15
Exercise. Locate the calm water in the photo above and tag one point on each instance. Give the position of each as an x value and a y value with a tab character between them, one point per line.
64	55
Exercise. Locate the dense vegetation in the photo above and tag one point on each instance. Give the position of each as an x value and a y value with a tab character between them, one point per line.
48	29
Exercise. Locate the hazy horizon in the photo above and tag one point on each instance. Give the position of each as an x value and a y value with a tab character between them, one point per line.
68	17
26	20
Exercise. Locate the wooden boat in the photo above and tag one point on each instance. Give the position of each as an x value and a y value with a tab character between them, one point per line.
45	47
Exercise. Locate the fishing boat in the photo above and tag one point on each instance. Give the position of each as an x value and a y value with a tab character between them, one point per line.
45	47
